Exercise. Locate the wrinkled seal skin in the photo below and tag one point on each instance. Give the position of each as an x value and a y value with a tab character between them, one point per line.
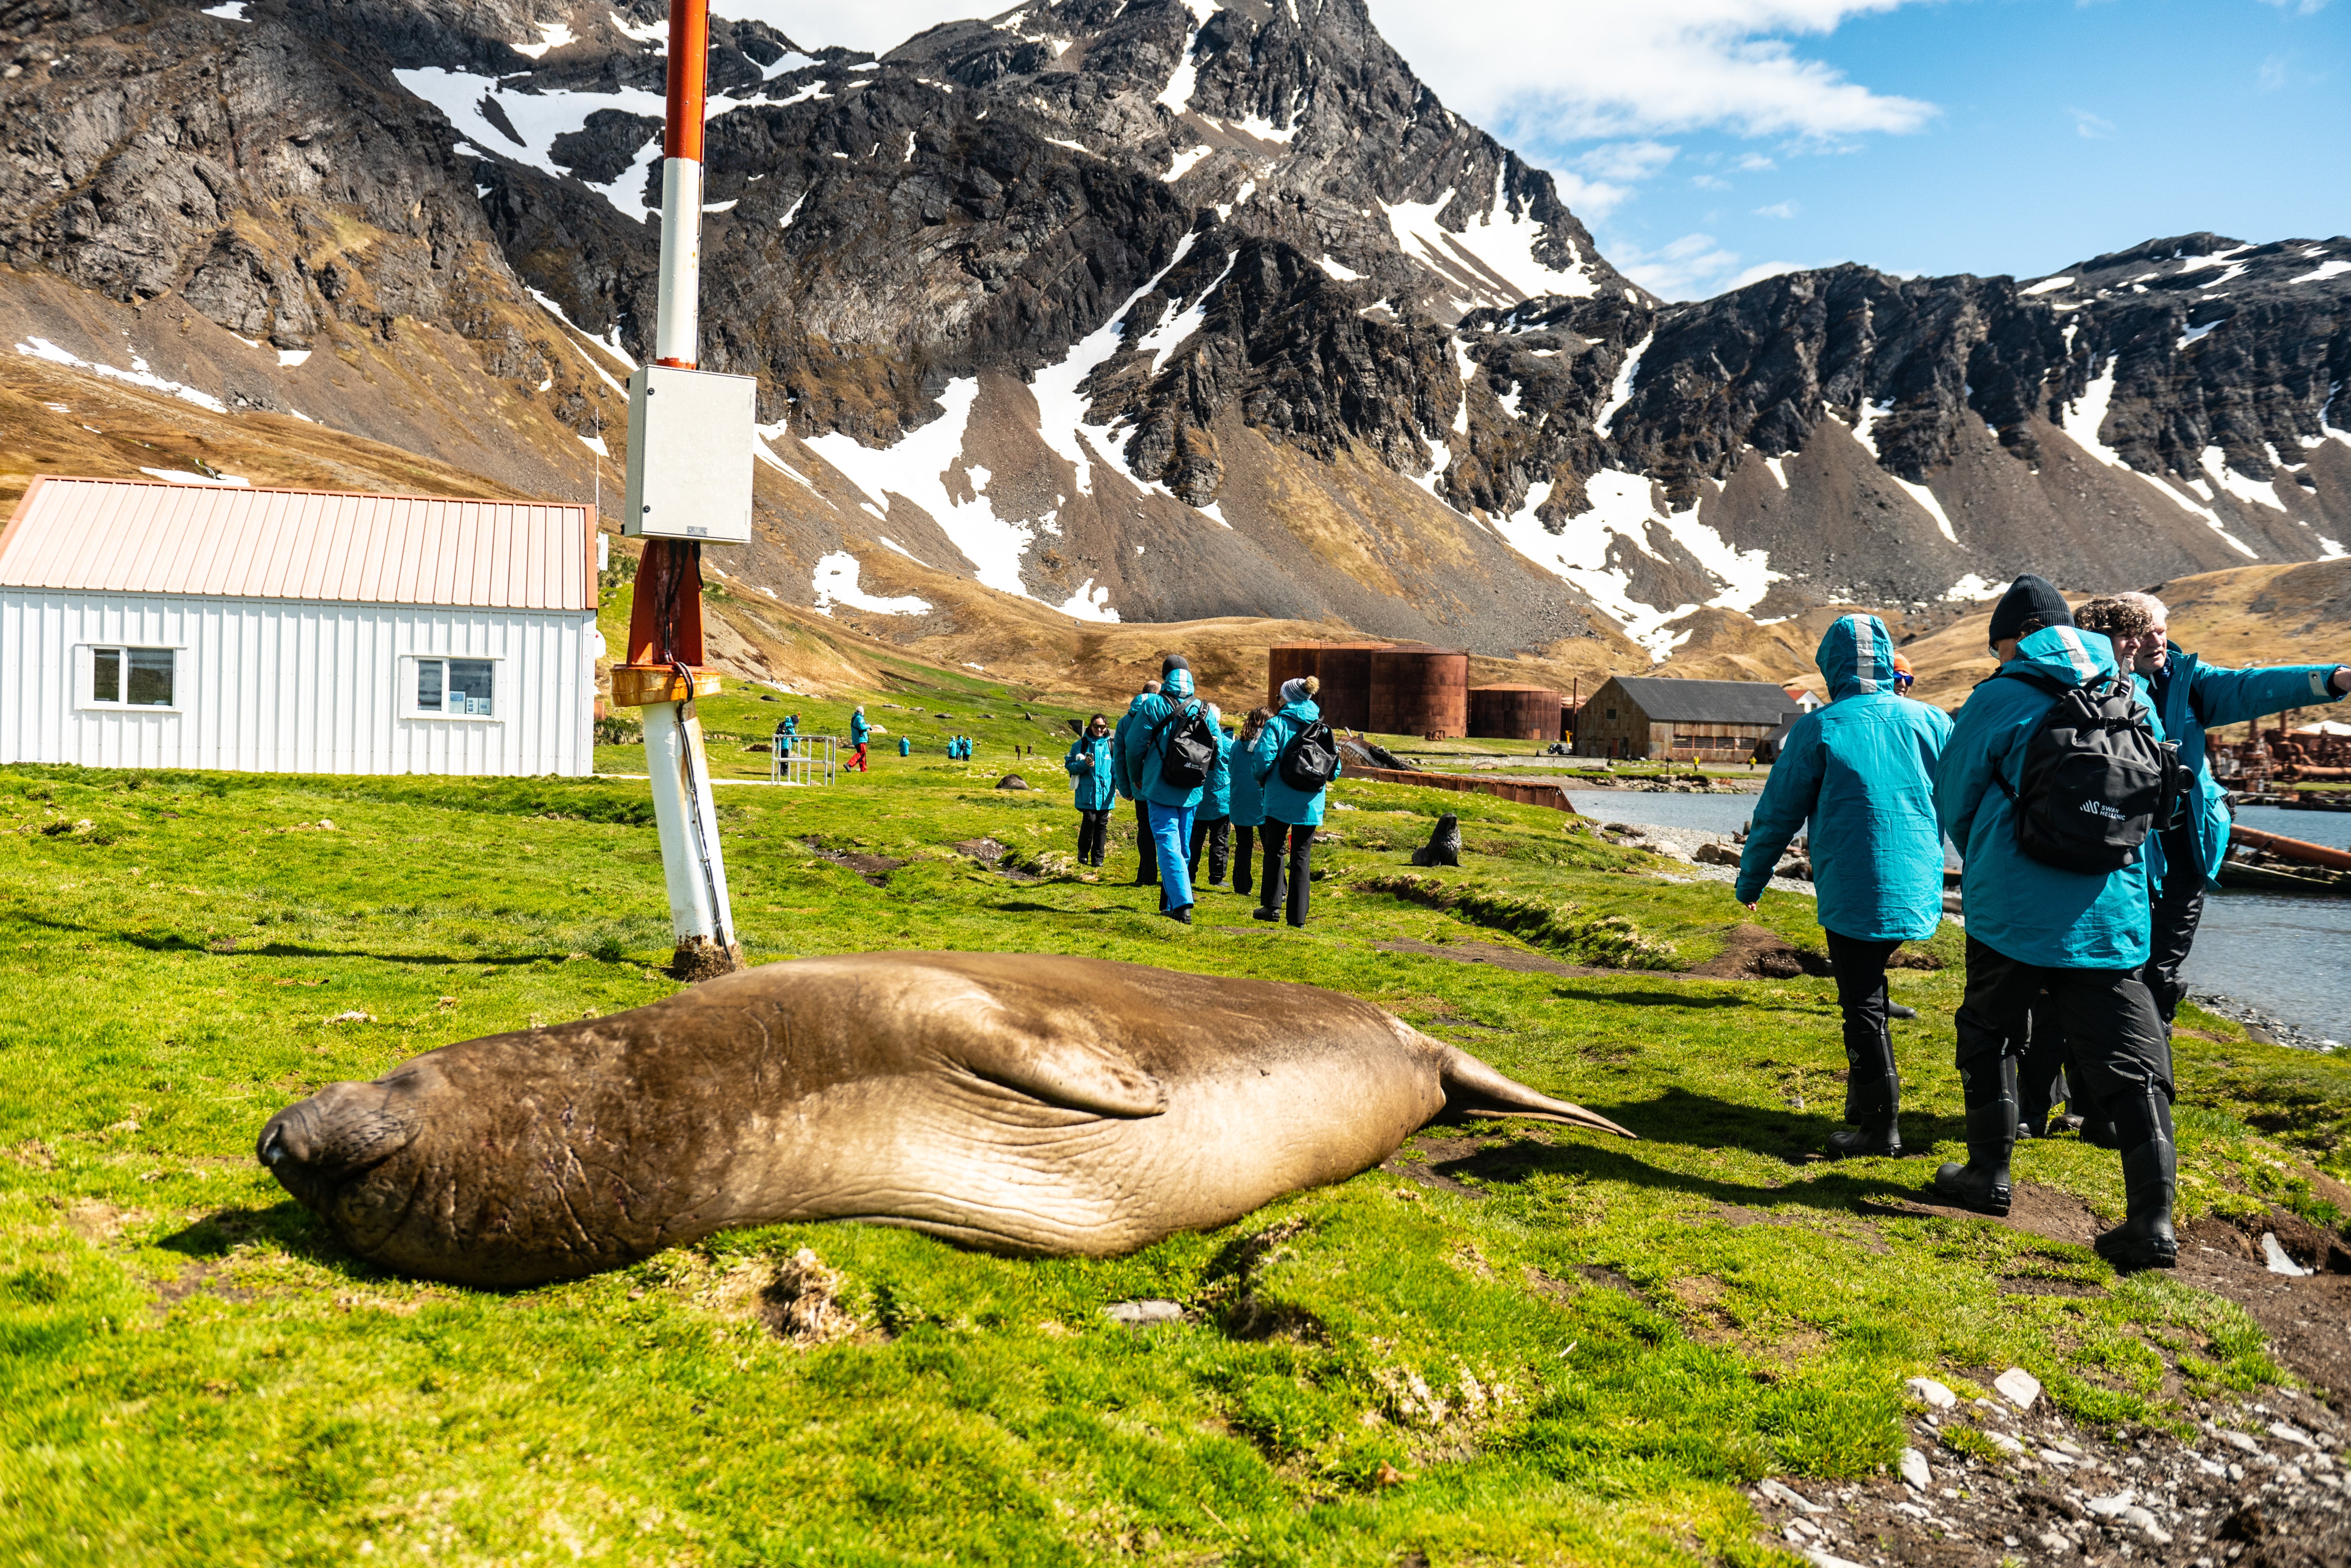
1017	1103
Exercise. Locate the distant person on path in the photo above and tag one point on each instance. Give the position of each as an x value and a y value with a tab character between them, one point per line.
786	732
1295	758
2189	697
1248	808
2053	917
1146	871
1862	769
1212	826
1154	749
905	746
1088	764
859	730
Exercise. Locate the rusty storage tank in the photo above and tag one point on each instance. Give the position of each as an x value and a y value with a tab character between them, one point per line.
1344	668
1515	713
1420	691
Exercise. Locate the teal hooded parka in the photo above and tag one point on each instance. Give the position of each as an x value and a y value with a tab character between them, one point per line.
1088	766
1279	801
1862	769
1142	751
2022	909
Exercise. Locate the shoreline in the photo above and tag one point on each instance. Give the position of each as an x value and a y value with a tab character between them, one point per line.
2263	1025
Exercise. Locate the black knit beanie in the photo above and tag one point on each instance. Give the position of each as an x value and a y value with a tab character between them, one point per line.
2030	605
1174	662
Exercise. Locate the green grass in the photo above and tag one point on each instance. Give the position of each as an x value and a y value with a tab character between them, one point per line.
1557	1348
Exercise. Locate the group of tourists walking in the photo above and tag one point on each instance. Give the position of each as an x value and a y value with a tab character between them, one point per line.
1199	789
2074	783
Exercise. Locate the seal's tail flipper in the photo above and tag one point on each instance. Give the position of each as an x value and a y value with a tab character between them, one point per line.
1473	1089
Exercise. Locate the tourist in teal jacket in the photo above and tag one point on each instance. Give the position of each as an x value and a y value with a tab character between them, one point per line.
2034	928
1248	810
1146	872
1862	771
1212	826
2191	696
1168	808
1088	764
1291	814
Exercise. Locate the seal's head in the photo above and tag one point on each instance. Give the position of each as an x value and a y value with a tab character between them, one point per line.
317	1148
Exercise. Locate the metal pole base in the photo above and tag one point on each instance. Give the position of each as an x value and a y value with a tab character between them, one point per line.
699	958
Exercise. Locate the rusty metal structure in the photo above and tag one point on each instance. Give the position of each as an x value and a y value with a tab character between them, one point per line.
1344	668
1420	691
1386	688
1516	713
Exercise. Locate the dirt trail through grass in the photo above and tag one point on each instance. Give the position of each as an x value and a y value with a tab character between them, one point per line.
1511	1344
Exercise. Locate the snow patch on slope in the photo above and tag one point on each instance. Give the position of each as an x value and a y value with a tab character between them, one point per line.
2085	416
1621	393
836	583
138	375
1491	261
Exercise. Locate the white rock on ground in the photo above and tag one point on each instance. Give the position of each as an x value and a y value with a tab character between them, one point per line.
1915	1472
2018	1387
1930	1393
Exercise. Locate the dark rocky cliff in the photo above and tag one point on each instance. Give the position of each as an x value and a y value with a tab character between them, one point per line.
1152	308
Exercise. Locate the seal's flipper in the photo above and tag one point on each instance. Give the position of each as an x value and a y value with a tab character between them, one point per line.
1082	1074
1473	1089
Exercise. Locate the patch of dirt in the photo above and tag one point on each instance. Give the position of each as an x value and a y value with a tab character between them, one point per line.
1752	953
1513	959
1610	1279
800	1303
2304	1318
2035	1209
2239	1492
875	869
206	1278
1417	1161
997	857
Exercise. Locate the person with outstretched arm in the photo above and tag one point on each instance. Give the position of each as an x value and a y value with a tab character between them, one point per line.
2076	930
2191	696
1167	806
1146	871
859	731
1862	770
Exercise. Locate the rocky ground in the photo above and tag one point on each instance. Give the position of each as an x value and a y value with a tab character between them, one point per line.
2262	1023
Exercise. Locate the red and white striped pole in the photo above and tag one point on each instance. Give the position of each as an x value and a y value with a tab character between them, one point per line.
665	617
677	320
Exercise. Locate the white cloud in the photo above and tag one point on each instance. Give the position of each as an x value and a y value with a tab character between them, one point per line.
1625	160
2272	76
1777	210
1709	183
2096	127
1690	267
1754	163
1586	68
2299	7
1761	270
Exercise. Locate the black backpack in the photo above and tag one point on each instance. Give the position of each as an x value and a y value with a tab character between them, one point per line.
2095	781
1310	760
1187	754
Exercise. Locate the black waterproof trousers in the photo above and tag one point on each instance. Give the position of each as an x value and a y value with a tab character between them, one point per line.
1244	856
2177	909
1873	1087
2119	1045
1287	867
2045	1074
1216	838
1146	874
1093	835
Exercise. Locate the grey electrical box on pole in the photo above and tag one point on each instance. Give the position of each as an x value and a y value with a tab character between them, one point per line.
690	434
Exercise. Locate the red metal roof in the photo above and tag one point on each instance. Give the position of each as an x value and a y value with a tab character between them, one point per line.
135	536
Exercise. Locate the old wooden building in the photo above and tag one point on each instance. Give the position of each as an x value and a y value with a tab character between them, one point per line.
1654	719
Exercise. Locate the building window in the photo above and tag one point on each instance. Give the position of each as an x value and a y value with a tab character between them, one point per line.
455	688
132	677
1612	713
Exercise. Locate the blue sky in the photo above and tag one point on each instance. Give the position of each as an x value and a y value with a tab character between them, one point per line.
1707	142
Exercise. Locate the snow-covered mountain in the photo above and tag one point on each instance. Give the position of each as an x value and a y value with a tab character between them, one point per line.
1149	310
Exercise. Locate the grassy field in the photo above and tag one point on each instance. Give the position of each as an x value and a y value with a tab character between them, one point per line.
1550	1348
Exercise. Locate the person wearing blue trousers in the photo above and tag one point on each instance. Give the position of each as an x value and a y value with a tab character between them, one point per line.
1167	809
1862	770
1291	814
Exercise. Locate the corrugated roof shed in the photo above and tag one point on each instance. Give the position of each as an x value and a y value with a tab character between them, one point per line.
1668	701
133	536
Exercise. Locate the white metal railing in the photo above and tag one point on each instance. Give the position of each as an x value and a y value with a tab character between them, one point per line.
811	760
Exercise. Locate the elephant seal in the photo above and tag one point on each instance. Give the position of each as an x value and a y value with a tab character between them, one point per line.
1019	1102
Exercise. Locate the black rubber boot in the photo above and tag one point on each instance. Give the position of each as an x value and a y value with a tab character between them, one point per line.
1873	1093
1982	1183
2150	1180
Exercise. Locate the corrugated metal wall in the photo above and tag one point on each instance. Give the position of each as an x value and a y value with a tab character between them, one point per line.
295	686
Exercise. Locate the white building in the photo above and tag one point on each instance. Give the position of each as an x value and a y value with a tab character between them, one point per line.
159	625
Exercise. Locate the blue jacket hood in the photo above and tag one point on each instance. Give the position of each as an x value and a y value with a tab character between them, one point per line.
1855	656
1176	684
2073	655
1140	699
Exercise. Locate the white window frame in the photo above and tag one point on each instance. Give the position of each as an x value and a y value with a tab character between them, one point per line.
85	658
501	690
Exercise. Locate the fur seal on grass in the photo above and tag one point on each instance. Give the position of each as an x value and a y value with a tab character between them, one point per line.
1019	1102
